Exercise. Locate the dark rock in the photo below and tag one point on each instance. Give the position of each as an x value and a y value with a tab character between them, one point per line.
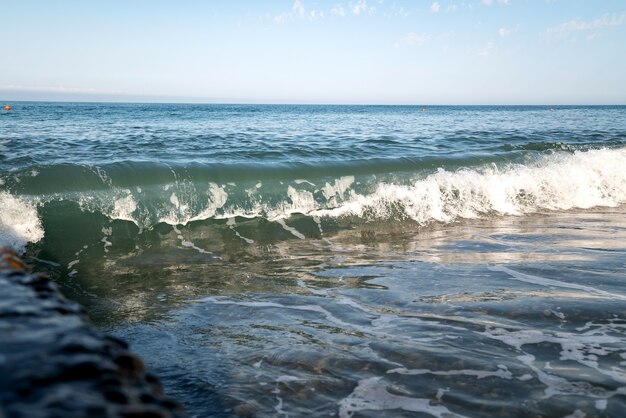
53	363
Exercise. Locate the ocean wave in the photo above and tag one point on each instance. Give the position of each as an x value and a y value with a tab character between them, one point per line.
554	182
64	178
557	181
19	222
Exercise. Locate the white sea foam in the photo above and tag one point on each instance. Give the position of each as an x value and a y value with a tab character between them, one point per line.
502	372
576	414
124	207
174	200
19	222
371	395
216	201
302	201
586	348
183	214
262	304
580	180
543	281
555	182
338	188
231	224
190	244
105	239
290	229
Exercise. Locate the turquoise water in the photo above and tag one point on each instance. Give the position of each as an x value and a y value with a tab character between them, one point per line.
338	260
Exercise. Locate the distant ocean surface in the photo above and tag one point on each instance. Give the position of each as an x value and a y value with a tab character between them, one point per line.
275	260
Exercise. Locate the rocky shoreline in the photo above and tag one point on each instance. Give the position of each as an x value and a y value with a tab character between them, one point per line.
54	363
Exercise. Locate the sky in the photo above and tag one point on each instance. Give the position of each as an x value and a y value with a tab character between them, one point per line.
305	51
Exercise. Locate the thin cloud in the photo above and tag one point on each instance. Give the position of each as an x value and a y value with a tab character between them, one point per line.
491	2
57	89
435	7
298	8
338	10
566	29
488	49
356	8
281	18
359	7
413	39
593	36
505	32
398	11
298	11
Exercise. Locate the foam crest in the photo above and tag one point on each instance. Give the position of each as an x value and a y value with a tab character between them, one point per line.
554	182
559	181
182	212
124	207
19	222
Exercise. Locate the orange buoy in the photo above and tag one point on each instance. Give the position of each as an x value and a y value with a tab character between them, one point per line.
7	107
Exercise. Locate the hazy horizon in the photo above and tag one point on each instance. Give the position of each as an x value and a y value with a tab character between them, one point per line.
198	101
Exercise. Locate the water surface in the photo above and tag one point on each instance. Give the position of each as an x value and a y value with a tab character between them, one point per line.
338	260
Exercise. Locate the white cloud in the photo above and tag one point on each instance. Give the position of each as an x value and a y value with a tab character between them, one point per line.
413	38
338	10
566	29
435	7
490	2
504	32
356	8
281	18
593	36
298	11
402	12
359	7
488	49
298	8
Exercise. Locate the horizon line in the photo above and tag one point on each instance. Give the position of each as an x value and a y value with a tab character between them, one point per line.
260	103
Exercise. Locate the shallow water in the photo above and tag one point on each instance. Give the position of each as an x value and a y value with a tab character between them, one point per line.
338	261
505	317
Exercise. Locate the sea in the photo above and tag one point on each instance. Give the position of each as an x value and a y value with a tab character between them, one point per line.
347	261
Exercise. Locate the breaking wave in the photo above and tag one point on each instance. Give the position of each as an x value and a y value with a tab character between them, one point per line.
556	181
19	222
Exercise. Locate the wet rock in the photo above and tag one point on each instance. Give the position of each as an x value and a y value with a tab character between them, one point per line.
53	363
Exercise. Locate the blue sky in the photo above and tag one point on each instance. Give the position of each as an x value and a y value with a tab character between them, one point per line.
304	51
